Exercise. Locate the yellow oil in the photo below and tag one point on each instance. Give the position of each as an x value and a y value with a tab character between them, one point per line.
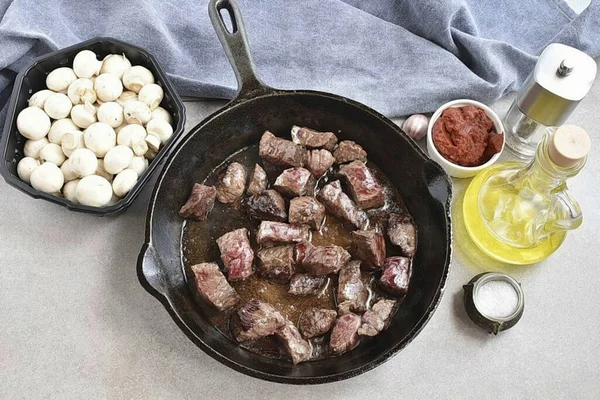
490	206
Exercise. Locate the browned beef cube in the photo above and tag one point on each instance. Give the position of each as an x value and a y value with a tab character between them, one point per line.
340	205
281	152
369	246
236	253
349	151
344	335
403	233
306	211
374	320
278	232
321	260
319	161
277	262
213	287
294	344
257	319
258	180
396	275
313	139
200	202
304	284
267	205
295	182
366	191
316	322
232	183
352	294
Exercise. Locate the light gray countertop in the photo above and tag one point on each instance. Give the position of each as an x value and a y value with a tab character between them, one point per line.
75	322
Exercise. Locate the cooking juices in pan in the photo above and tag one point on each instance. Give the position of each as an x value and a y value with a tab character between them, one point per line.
199	245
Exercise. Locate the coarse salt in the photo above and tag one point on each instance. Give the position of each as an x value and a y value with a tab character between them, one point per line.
497	299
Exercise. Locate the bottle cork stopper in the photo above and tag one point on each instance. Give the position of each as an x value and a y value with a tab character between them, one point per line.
569	145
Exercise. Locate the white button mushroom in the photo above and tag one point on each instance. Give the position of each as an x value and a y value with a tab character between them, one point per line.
58	106
124	181
136	77
100	138
47	178
83	162
130	134
137	112
161	113
67	171
25	168
151	95
140	147
81	90
160	128
59	128
60	79
83	115
139	165
71	141
101	171
108	87
52	153
93	191
117	159
153	143
70	191
110	113
38	98
115	64
33	123
85	64
126	96
32	148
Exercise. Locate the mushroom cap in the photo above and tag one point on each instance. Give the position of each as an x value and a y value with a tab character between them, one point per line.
152	95
52	153
110	113
38	98
33	123
136	77
108	87
124	181
47	178
161	129
70	191
60	79
117	159
85	64
59	128
25	168
83	162
94	190
100	138
83	115
32	148
58	106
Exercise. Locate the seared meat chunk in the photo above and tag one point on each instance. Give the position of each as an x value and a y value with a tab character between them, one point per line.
352	294
295	182
257	319
344	335
258	180
396	275
304	284
277	262
278	232
232	183
374	320
319	161
403	233
213	287
340	205
316	322
369	246
200	202
313	139
321	260
294	344
236	253
366	191
281	152
267	205
349	151
306	211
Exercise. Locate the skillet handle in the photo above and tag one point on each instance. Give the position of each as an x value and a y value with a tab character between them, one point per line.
235	43
148	271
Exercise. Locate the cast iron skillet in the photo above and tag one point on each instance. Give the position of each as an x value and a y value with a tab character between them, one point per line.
423	185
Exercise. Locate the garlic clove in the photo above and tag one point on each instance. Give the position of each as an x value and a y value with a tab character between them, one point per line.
38	98
32	148
161	129
33	123
85	64
108	87
25	168
60	79
58	106
115	64
416	126
152	95
110	113
81	91
136	77
161	113
137	112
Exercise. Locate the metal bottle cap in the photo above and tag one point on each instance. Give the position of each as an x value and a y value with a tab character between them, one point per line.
490	323
561	78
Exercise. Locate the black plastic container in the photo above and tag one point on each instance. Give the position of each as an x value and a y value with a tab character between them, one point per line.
33	78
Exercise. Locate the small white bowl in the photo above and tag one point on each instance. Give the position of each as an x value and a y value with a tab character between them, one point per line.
455	170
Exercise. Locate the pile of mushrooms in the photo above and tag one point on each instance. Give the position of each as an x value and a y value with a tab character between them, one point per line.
92	132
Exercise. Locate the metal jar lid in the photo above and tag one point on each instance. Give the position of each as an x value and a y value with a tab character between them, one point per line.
561	78
492	324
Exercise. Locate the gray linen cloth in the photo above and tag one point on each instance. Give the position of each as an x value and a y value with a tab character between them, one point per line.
397	56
